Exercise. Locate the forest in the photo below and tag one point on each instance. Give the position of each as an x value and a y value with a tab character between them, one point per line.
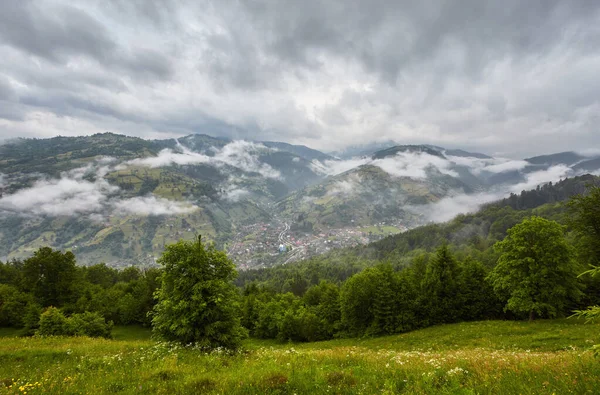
517	259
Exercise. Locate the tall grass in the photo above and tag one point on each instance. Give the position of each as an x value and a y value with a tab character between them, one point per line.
485	358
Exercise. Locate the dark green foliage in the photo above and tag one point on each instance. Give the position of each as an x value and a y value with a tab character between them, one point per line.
54	323
101	275
585	220
356	300
197	301
441	288
535	273
12	304
88	324
478	299
50	276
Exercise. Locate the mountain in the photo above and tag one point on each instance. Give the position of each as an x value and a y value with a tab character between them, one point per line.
392	151
590	165
300	150
564	158
389	188
116	198
121	199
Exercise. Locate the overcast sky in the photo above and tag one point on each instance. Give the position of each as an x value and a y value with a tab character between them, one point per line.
511	78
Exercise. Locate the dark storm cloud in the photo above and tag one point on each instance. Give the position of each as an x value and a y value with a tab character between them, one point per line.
513	77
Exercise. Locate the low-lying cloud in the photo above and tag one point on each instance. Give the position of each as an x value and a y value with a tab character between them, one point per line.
72	194
414	165
151	205
335	167
168	157
241	154
403	164
85	191
532	180
345	187
449	207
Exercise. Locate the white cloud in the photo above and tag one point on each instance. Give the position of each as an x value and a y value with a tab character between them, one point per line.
168	157
151	205
345	187
240	154
244	155
414	165
334	167
532	180
509	165
449	207
85	191
403	164
235	194
69	195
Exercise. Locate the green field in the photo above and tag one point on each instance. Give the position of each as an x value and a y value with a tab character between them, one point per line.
492	357
381	230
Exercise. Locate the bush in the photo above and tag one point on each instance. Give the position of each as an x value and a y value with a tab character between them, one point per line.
89	324
54	323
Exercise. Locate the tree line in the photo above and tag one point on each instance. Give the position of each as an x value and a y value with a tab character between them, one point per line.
193	298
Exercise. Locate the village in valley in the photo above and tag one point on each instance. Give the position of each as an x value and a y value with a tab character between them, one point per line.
266	244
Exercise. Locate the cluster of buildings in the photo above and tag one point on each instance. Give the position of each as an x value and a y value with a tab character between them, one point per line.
267	244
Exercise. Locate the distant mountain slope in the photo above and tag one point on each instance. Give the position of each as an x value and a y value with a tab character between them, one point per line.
392	151
566	158
300	150
588	165
120	199
367	195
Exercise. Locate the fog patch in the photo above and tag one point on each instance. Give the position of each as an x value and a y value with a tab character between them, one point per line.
73	194
532	180
85	191
449	207
510	165
235	194
240	154
414	165
345	187
334	167
168	157
244	155
151	205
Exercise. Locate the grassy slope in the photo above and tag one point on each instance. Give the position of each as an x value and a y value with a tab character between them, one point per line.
484	357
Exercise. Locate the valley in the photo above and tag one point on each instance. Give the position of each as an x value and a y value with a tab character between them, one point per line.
120	200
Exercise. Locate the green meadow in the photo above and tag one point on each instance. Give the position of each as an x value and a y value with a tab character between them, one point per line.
486	357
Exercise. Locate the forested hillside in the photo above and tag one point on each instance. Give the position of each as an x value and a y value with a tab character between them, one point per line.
463	270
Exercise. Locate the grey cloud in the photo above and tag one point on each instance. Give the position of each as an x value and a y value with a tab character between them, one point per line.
478	75
56	33
6	90
53	33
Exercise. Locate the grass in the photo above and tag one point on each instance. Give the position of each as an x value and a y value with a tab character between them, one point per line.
469	358
381	230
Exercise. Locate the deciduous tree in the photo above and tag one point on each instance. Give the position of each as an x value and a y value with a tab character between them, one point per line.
197	301
535	272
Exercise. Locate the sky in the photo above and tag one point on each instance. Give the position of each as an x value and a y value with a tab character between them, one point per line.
507	78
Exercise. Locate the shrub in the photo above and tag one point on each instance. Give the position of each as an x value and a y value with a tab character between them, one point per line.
54	323
89	324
